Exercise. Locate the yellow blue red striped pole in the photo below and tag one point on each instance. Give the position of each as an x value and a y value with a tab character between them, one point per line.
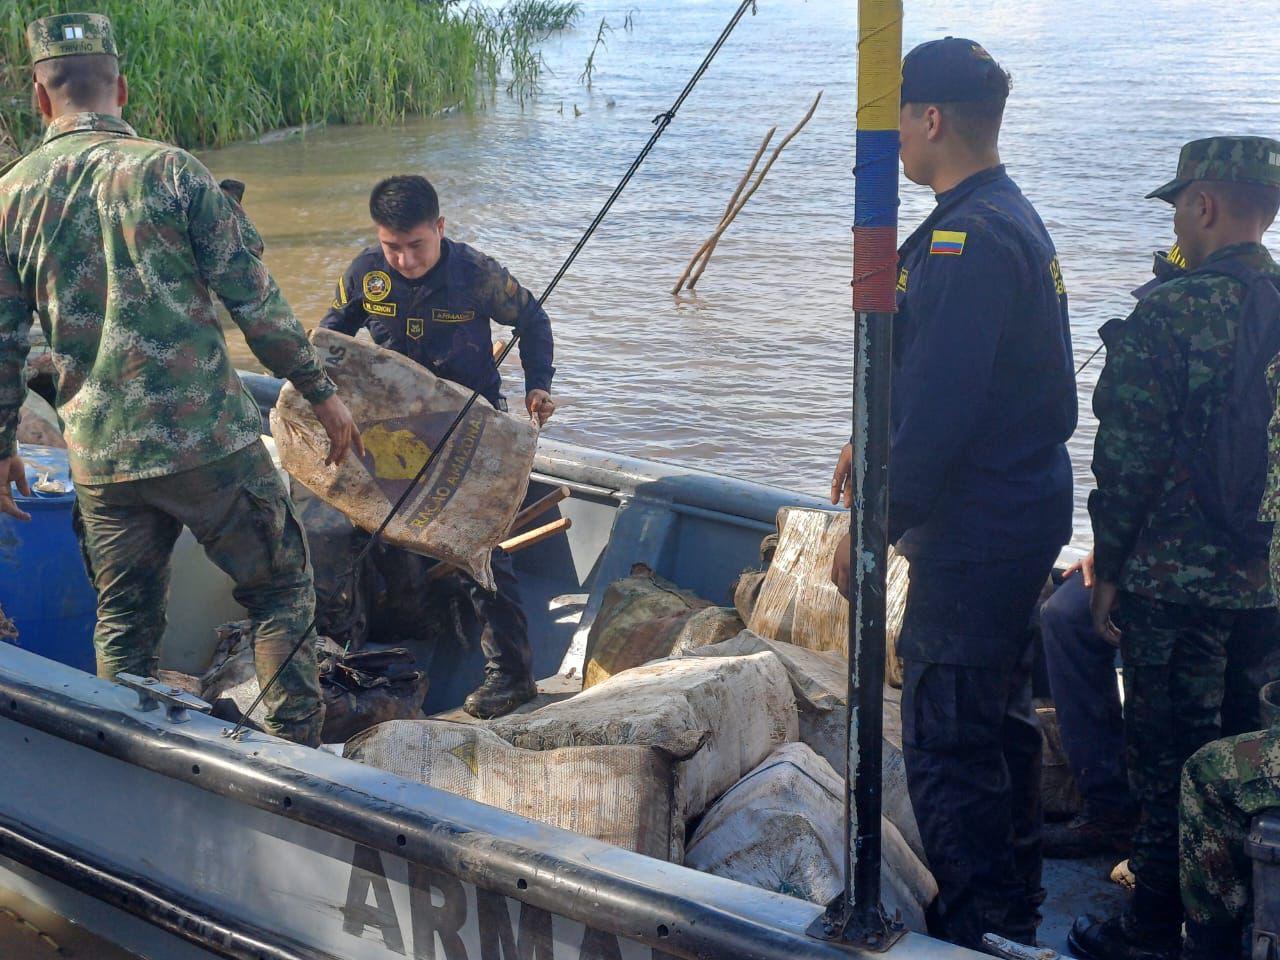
875	260
875	210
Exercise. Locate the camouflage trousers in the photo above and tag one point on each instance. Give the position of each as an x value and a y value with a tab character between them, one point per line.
239	511
1223	786
1178	689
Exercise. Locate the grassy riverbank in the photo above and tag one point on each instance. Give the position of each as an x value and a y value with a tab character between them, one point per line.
209	73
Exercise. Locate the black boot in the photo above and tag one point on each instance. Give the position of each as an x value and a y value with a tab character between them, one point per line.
1206	941
1149	929
1117	939
499	694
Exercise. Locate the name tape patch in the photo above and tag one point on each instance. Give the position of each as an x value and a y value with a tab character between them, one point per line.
452	316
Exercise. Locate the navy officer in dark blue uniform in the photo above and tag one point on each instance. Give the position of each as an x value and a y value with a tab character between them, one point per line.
980	495
432	299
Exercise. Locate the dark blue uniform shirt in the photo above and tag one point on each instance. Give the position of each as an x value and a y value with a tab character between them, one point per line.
442	319
984	393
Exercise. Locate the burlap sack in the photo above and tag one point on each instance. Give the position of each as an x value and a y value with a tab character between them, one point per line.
619	794
797	602
781	828
38	423
464	506
637	622
718	717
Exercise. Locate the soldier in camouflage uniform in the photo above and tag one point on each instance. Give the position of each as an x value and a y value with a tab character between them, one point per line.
1224	785
119	244
1185	590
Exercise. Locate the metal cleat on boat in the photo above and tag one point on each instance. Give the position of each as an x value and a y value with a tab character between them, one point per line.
1000	947
152	694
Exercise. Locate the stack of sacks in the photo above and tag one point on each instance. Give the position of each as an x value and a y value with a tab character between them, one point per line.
629	761
819	681
714	719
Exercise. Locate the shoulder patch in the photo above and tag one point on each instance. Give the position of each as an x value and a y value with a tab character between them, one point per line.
1055	273
902	279
377	286
948	243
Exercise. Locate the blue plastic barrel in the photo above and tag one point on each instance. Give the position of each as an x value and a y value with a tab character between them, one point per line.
44	589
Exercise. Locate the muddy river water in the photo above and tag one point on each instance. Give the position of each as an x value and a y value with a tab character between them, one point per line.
752	375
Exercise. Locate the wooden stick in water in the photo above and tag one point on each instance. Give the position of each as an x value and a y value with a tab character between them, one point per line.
724	225
727	210
536	535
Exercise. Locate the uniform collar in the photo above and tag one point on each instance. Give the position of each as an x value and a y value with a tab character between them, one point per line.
82	122
971	183
1253	254
948	199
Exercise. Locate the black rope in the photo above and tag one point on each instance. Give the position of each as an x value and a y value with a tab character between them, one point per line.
661	122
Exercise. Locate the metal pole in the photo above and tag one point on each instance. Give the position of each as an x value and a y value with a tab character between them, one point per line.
860	917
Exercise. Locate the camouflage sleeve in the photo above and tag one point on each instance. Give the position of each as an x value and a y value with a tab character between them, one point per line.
252	238
231	270
513	306
1269	509
15	320
1136	403
346	313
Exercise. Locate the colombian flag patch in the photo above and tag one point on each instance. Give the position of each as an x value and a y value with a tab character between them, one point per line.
948	242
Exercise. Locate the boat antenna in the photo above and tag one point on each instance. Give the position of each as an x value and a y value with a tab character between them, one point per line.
856	916
660	123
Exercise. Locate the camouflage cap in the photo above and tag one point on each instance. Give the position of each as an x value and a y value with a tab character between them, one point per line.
1230	159
70	35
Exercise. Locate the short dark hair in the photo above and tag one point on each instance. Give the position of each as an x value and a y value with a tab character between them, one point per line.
977	122
404	202
82	79
1247	201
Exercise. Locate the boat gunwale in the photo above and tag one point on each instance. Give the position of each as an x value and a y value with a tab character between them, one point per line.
677	911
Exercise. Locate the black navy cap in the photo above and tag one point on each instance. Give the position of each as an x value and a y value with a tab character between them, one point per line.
950	70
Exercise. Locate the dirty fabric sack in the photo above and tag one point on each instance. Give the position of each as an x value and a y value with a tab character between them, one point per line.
38	423
638	619
464	506
820	681
797	603
619	794
746	589
718	716
363	689
1058	789
781	828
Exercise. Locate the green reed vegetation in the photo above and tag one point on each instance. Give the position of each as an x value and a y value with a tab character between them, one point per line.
209	72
